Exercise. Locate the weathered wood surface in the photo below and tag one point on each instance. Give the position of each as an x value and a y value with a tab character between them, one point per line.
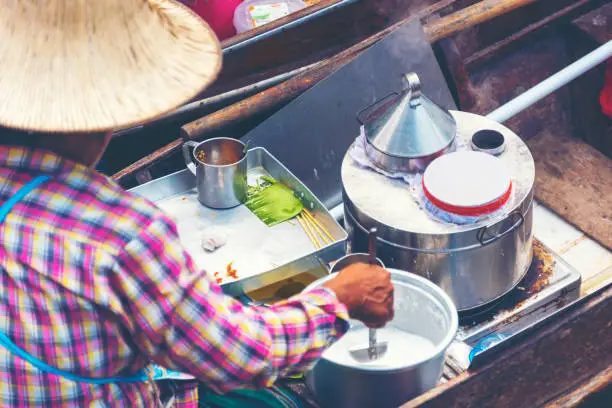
276	24
271	99
575	180
588	393
306	36
564	14
597	23
148	160
483	11
588	31
547	361
236	117
470	16
285	92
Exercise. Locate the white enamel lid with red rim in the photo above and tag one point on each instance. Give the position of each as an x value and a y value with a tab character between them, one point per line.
467	183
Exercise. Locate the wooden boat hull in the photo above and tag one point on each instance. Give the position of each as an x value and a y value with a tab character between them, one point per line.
468	48
564	361
307	36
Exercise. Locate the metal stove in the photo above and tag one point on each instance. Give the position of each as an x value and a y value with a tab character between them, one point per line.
550	284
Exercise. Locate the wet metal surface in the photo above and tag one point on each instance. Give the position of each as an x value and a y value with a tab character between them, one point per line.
537	278
281	252
550	284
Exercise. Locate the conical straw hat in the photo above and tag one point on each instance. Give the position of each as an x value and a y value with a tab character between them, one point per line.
97	65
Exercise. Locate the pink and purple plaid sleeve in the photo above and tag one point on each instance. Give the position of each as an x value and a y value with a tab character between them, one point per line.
183	321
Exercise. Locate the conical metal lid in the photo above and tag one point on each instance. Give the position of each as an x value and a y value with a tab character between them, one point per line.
410	125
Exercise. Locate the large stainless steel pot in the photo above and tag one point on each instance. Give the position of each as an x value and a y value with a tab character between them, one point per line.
474	264
421	308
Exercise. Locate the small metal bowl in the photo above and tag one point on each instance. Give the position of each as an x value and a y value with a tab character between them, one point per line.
489	141
351	259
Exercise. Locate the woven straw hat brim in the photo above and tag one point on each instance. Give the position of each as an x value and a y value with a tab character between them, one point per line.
75	66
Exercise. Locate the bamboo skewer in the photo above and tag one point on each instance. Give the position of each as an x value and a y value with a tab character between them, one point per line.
326	235
309	231
314	229
299	220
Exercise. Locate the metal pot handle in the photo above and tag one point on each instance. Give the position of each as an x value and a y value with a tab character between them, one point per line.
481	234
188	156
360	114
411	85
323	264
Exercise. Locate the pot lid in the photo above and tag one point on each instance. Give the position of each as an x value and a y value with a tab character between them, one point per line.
467	183
409	124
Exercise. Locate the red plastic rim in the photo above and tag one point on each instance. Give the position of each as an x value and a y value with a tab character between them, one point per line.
470	211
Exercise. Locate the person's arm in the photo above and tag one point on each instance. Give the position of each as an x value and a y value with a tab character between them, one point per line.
183	321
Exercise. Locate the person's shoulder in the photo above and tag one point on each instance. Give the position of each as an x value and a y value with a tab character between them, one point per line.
128	213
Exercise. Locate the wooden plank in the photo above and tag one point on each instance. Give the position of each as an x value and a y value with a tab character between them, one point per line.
598	23
575	181
451	63
273	98
470	16
302	37
596	282
584	34
286	91
584	392
313	7
546	362
147	161
560	16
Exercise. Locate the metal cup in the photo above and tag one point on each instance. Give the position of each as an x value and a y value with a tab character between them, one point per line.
351	259
220	167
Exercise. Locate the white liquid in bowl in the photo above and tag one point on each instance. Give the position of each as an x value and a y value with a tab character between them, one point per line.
403	348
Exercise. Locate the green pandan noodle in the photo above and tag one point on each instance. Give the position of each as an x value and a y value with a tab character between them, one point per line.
273	202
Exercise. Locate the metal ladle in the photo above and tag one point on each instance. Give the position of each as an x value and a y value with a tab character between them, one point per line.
374	350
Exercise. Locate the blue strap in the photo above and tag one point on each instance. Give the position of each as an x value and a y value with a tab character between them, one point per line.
23	191
157	372
41	365
6	342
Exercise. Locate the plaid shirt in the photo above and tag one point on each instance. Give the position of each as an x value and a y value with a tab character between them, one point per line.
94	281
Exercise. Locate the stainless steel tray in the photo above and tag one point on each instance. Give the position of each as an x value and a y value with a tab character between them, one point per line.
261	255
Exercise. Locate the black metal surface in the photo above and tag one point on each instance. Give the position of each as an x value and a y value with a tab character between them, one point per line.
311	134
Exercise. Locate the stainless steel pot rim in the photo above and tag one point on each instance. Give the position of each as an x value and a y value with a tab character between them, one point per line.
332	266
243	157
477	226
438	295
420	157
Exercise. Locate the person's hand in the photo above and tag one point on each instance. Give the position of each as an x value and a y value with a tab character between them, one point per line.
367	293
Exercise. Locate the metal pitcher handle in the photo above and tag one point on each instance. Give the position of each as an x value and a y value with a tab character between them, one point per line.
188	156
361	115
412	84
481	235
